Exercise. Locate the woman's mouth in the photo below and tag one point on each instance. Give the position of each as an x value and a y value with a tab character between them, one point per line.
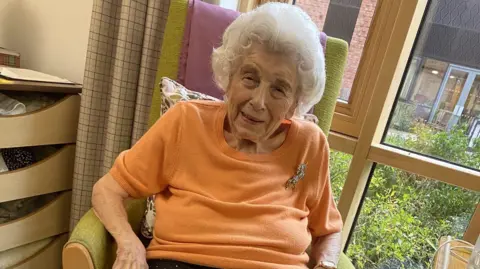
250	119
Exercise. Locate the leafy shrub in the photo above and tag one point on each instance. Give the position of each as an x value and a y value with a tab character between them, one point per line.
450	146
403	116
339	164
404	215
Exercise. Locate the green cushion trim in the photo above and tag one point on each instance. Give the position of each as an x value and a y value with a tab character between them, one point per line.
170	54
335	61
91	233
344	262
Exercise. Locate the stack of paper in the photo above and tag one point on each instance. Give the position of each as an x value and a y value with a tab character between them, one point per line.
29	75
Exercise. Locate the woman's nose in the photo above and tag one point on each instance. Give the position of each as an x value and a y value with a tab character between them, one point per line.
259	98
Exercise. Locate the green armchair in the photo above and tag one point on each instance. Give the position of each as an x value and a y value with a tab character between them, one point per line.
90	245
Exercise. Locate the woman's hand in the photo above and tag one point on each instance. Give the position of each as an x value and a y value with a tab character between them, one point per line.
131	254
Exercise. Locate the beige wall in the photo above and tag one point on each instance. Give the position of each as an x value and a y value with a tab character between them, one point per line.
51	35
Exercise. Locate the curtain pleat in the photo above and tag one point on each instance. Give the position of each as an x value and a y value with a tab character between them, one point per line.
122	56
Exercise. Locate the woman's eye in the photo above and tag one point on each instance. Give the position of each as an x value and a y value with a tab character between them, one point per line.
250	81
279	90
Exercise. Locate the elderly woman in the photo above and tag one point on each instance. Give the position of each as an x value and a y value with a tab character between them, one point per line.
242	183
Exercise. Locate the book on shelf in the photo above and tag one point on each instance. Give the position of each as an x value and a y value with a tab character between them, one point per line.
20	74
9	57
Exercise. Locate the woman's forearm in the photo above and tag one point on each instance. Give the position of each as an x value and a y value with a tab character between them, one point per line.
327	248
107	200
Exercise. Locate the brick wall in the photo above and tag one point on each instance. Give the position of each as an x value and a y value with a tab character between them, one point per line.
356	45
317	9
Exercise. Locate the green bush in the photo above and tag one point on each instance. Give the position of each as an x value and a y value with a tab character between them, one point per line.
403	117
339	164
404	215
451	146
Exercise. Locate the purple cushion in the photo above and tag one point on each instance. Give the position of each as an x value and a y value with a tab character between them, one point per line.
207	24
204	27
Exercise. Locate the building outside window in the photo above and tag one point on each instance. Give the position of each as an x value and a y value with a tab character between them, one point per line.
442	94
441	91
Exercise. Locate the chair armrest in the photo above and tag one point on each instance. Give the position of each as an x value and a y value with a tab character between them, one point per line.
344	262
91	238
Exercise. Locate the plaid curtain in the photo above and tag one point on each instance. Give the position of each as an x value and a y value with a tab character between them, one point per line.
122	56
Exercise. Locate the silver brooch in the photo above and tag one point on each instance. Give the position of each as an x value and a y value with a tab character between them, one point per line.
292	182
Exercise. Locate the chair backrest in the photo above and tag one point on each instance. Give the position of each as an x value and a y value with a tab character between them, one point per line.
194	28
204	28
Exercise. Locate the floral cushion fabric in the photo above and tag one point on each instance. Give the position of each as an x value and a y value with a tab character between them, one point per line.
173	92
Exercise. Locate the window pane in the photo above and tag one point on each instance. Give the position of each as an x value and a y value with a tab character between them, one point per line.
403	216
316	9
339	165
346	19
437	112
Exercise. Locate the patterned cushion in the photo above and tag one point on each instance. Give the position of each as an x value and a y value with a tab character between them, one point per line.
172	92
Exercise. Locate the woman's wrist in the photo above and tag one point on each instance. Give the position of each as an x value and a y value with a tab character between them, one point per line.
126	239
326	251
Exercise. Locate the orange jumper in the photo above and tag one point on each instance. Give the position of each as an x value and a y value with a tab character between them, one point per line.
222	208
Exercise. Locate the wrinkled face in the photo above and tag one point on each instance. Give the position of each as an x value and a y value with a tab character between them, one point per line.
261	94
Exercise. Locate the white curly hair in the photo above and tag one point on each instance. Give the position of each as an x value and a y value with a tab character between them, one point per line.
280	28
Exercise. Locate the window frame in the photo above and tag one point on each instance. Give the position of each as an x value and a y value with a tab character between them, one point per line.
349	116
391	40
